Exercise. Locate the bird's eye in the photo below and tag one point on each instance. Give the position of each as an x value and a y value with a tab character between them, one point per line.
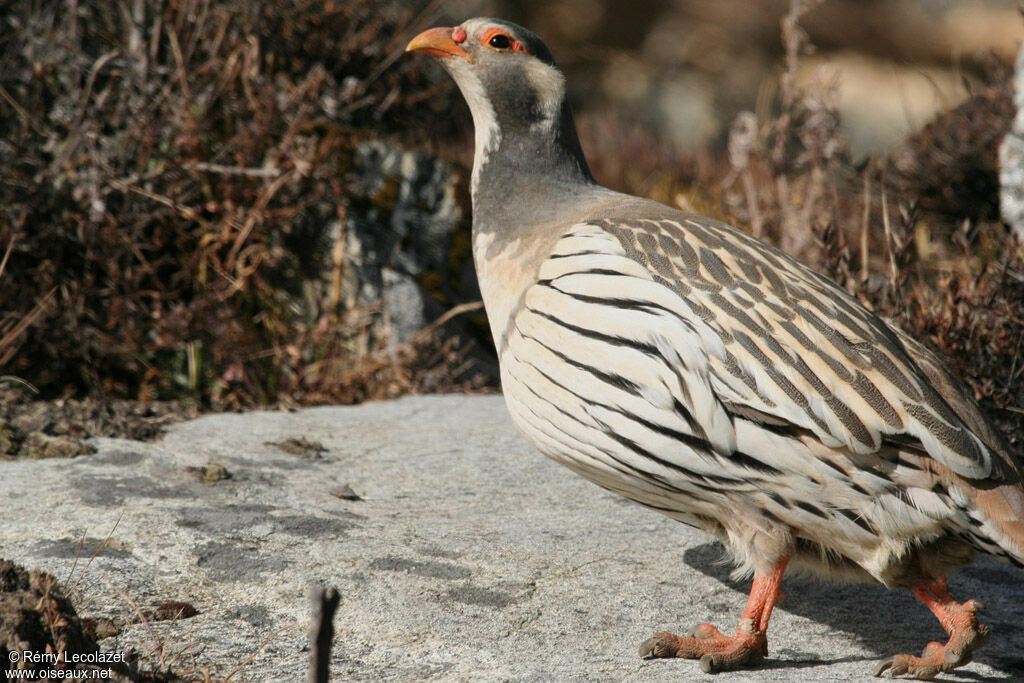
501	42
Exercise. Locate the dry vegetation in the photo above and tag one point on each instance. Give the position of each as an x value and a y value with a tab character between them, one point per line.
164	170
163	178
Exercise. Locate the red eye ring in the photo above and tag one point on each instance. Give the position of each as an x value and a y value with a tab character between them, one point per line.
498	39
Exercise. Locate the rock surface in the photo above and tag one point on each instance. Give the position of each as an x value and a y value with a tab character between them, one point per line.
460	554
405	240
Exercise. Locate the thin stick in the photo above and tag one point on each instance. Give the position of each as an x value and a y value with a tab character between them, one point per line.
338	262
272	172
865	218
266	194
451	313
158	644
24	323
321	632
889	244
180	62
25	383
22	112
182	210
467	307
98	550
7	254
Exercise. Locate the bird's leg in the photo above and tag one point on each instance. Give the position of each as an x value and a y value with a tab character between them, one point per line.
960	622
717	652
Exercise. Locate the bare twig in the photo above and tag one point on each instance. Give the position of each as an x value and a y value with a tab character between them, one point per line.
23	324
338	261
321	632
7	254
98	550
467	307
83	109
166	201
158	644
18	380
21	111
890	244
180	63
255	215
232	170
865	220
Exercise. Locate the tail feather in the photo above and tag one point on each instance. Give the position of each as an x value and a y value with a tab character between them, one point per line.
1000	499
1003	506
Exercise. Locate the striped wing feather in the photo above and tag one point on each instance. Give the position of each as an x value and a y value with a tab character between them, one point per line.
696	323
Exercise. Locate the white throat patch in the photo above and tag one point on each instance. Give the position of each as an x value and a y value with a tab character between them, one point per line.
485	124
549	84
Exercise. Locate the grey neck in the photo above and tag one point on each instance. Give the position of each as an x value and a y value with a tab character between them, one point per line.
516	180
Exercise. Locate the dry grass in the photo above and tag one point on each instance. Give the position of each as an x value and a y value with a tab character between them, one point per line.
167	175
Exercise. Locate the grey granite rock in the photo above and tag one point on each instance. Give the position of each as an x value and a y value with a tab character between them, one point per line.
391	256
460	554
403	227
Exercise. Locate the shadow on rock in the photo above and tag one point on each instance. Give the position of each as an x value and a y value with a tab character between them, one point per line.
889	621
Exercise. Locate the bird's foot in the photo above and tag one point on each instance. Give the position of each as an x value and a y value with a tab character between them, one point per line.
716	652
965	636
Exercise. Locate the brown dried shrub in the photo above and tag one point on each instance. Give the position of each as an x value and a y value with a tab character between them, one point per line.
950	166
163	170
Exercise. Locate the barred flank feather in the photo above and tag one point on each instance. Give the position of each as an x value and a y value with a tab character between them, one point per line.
699	372
687	366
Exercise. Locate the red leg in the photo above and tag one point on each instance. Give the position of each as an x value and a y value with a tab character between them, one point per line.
960	622
716	651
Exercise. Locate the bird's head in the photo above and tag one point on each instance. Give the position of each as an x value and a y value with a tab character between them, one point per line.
505	72
525	135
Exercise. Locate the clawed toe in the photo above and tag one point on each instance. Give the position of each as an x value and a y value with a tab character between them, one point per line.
715	651
659	645
884	665
966	634
730	660
664	644
901	665
936	657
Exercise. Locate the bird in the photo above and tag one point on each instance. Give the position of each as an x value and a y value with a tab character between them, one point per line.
684	364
